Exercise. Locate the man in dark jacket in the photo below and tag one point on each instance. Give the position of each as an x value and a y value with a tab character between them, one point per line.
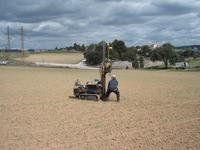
113	87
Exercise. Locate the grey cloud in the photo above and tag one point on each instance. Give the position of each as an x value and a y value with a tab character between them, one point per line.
37	11
61	22
173	7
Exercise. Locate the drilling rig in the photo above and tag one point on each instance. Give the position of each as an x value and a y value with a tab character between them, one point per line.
95	89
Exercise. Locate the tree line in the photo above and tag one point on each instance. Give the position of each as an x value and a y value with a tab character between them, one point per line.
136	54
76	47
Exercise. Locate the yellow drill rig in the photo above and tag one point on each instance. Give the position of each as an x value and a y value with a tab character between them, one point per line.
96	89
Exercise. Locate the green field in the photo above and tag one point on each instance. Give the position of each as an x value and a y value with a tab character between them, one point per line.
195	63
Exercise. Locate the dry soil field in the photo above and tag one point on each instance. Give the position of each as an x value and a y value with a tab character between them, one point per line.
62	58
158	110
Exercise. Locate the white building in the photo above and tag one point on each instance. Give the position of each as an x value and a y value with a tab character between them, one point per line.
154	46
149	63
122	65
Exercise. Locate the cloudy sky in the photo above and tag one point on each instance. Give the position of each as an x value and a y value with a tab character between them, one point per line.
51	23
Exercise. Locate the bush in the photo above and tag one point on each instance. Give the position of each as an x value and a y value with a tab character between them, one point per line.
141	61
135	64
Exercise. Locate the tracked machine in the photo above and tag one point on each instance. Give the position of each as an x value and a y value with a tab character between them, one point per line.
95	89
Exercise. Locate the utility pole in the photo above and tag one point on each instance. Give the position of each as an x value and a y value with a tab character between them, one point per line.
22	38
8	38
6	54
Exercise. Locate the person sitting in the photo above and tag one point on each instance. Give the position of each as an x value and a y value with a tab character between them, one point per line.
113	87
77	83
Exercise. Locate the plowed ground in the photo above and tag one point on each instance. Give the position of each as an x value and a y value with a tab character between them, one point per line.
158	110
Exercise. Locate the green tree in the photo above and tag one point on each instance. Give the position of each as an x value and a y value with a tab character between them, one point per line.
135	63
77	47
145	51
119	48
93	54
93	57
177	58
83	47
130	54
141	61
165	53
187	53
155	55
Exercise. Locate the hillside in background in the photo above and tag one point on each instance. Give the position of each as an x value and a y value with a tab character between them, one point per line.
62	58
193	47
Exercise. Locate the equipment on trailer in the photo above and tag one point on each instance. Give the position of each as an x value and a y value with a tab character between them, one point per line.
97	88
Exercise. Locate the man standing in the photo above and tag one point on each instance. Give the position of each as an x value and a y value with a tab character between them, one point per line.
113	87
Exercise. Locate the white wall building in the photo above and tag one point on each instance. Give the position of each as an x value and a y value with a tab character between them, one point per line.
149	63
122	65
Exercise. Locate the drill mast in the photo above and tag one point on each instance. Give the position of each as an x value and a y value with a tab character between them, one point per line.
106	67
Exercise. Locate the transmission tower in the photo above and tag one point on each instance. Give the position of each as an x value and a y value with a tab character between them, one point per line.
22	39
8	38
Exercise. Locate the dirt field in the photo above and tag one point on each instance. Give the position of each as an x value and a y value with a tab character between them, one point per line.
62	58
158	110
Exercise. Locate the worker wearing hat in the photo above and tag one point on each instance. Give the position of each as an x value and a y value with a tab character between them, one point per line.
113	87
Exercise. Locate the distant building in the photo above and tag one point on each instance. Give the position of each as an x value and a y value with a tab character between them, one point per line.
122	65
148	63
154	46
